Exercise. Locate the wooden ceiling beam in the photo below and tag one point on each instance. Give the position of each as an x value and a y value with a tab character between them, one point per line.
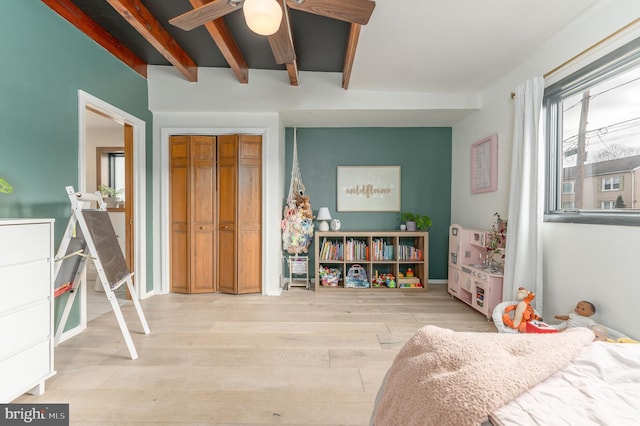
354	11
292	71
76	17
219	32
148	26
282	45
349	57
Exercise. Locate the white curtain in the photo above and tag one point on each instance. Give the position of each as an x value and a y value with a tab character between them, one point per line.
523	258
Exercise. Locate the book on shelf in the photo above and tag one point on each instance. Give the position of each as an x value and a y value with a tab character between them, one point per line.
331	250
409	253
356	250
382	249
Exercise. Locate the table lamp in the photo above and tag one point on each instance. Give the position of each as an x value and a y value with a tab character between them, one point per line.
323	217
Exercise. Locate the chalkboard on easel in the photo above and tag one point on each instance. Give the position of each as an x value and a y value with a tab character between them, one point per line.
107	246
99	242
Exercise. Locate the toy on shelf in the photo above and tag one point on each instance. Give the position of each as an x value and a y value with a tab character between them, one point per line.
329	277
408	280
390	281
409	283
378	279
356	277
383	280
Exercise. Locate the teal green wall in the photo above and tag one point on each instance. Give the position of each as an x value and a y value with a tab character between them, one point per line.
424	154
45	60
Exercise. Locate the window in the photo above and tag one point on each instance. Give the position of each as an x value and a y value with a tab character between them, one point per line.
569	187
110	170
592	128
116	170
611	183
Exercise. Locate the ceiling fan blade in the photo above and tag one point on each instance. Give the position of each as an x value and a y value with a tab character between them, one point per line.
355	11
208	12
281	41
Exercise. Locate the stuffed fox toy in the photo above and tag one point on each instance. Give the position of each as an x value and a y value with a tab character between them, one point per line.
523	311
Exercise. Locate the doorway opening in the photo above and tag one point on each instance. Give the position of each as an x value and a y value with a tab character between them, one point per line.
132	129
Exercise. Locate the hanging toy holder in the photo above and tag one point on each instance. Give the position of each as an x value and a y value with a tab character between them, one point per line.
297	222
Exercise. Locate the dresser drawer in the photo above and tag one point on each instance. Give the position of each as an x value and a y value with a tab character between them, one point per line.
24	283
26	305
21	373
24	242
24	327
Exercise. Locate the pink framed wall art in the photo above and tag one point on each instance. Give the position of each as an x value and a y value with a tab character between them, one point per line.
484	165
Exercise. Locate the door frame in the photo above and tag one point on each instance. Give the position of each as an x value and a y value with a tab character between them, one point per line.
165	135
85	100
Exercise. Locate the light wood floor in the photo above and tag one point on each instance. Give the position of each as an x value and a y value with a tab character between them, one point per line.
305	358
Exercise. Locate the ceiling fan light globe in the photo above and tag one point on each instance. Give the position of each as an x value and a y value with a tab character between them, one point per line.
262	16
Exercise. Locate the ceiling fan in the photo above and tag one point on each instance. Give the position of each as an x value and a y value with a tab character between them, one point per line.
276	11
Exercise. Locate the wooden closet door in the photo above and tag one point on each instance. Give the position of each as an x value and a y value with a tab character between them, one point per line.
202	214
227	202
249	222
179	213
192	214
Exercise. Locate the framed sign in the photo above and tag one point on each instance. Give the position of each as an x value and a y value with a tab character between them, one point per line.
368	189
484	165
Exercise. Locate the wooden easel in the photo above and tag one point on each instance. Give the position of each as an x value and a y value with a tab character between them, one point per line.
90	233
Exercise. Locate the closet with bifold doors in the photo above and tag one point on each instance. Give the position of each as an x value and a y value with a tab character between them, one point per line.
215	209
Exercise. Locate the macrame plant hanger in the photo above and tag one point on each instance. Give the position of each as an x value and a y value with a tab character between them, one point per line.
296	187
297	222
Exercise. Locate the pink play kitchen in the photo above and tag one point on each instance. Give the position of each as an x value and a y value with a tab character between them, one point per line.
473	278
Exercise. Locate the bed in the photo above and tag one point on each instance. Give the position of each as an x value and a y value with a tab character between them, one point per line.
441	377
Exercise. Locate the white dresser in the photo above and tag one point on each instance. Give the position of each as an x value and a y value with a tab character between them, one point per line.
26	306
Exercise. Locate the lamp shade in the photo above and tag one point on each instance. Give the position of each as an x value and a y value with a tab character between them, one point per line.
323	214
263	16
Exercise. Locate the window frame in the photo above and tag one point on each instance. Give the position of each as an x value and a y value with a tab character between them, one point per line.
572	184
612	180
105	159
606	202
617	61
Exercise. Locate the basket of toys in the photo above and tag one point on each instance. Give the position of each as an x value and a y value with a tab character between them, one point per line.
329	277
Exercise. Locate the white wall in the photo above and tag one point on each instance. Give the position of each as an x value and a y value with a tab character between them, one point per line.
580	261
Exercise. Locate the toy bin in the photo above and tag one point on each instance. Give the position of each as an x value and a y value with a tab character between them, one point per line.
329	277
356	277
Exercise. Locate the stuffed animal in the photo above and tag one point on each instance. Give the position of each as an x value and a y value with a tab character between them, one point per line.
524	312
304	206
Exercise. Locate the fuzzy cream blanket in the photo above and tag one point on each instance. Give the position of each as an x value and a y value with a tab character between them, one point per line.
442	377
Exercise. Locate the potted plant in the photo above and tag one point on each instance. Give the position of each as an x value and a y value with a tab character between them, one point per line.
415	221
110	195
423	223
5	187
